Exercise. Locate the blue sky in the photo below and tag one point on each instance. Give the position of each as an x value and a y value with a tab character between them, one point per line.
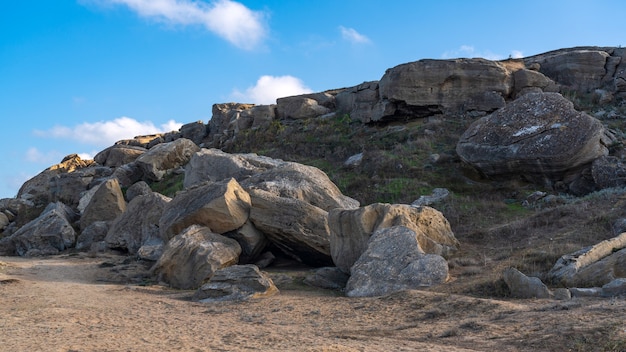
78	75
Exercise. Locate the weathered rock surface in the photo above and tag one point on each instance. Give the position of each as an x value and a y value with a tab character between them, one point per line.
305	183
608	171
193	256
95	232
236	283
37	189
299	107
160	159
393	261
426	87
222	206
251	240
48	234
532	137
522	286
139	224
118	155
106	204
298	228
215	165
359	101
351	229
592	266
140	188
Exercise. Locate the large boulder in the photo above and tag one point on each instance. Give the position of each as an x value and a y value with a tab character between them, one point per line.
298	228
106	204
118	155
139	224
592	266
392	262
194	131
351	229
236	283
164	157
222	206
193	256
580	69
69	187
427	87
48	234
224	121
94	233
299	107
533	137
37	189
215	165
302	182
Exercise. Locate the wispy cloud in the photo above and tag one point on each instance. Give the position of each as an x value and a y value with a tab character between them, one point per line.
228	19
471	52
34	155
354	37
106	133
268	88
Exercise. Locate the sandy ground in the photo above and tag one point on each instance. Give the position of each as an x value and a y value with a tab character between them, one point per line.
82	303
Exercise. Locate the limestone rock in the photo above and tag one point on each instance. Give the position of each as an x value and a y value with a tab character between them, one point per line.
392	262
532	137
298	228
48	234
222	206
37	189
592	266
437	195
223	124
118	155
305	183
525	80
608	171
151	250
156	162
95	232
105	205
236	283
140	188
194	131
251	240
69	187
426	87
299	107
580	69
128	174
522	286
359	101
193	256
4	221
139	224
614	288
351	229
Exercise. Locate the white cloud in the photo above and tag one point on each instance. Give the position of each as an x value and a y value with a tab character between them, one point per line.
471	52
106	133
516	54
354	37
268	88
35	155
228	19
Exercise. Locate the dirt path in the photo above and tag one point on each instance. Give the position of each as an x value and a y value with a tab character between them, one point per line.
79	303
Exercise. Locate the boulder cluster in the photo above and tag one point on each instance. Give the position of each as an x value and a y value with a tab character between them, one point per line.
234	210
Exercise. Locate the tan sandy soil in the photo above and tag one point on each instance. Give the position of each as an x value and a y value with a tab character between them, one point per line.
82	303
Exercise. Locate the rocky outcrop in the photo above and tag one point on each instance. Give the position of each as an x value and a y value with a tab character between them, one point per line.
298	228
48	234
392	262
351	229
193	256
236	283
95	232
426	87
592	266
251	240
584	69
222	206
532	137
359	101
160	159
106	204
139	224
303	106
